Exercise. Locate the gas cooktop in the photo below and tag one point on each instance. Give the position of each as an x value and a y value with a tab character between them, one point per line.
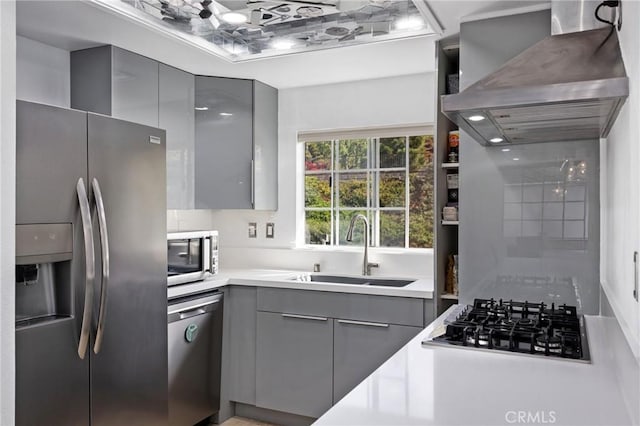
537	329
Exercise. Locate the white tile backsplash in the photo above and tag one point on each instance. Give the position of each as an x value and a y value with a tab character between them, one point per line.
189	220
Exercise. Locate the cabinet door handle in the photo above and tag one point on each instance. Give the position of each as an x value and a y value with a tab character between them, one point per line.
304	317
635	275
366	324
253	184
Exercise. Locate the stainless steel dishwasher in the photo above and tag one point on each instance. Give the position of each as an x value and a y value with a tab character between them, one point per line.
195	352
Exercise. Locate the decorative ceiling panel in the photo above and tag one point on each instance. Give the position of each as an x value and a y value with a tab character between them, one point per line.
241	30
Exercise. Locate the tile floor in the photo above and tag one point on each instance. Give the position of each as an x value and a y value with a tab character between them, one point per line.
242	421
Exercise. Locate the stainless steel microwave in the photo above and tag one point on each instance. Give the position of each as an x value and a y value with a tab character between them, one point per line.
191	256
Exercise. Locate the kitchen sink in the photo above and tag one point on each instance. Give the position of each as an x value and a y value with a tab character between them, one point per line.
341	279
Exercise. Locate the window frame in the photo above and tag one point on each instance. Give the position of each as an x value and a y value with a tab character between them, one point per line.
373	174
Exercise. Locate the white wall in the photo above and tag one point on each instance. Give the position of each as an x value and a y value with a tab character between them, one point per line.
7	208
620	198
378	102
43	73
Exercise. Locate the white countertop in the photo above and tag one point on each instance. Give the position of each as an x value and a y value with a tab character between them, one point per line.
431	385
421	288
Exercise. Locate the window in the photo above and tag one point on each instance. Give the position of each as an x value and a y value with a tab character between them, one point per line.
387	178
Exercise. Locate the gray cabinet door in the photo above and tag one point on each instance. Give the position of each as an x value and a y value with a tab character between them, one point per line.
294	363
224	143
116	82
240	336
265	146
134	88
360	348
176	116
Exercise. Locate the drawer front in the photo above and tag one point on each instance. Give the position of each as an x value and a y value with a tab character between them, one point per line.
363	307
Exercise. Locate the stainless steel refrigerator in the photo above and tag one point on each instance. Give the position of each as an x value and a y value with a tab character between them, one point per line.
91	262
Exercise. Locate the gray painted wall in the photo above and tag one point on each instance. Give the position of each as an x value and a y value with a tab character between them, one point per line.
529	226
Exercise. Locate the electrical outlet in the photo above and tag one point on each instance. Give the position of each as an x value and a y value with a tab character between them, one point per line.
253	230
270	230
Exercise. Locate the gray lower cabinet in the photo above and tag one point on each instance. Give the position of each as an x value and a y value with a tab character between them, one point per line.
294	361
301	351
361	347
240	339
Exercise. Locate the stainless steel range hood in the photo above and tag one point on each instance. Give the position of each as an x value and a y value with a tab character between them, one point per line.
566	87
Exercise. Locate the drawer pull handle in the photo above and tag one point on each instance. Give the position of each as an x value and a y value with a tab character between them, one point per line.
367	324
305	317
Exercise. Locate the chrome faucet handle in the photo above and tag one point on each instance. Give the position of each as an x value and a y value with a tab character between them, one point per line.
371	265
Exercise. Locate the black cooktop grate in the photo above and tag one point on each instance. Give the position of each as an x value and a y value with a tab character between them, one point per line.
522	327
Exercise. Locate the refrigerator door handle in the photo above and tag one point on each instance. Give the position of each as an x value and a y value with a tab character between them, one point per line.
90	267
104	244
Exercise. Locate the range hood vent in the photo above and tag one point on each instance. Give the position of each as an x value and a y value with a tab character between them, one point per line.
566	87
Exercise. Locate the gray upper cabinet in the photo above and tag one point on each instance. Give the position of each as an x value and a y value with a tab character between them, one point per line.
176	93
236	144
115	82
294	360
265	146
222	133
135	88
360	348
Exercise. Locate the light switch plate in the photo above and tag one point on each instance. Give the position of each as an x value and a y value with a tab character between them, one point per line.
253	230
270	230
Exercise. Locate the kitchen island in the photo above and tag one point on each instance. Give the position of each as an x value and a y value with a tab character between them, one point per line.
430	385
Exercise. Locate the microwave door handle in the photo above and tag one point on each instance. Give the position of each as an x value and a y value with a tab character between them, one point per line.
90	267
106	266
211	254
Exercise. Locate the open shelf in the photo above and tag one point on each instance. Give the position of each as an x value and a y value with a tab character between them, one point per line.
448	296
446	231
450	165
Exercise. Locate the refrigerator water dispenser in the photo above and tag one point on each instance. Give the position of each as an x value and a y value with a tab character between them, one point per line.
43	278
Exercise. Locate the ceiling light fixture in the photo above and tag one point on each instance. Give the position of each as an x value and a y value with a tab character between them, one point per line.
409	23
476	117
226	114
516	159
282	44
202	108
496	140
506	149
234	18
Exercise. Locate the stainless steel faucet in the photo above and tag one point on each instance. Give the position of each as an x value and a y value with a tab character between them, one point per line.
366	266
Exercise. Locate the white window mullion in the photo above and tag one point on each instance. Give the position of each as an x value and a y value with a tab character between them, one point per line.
332	230
336	191
407	193
375	220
